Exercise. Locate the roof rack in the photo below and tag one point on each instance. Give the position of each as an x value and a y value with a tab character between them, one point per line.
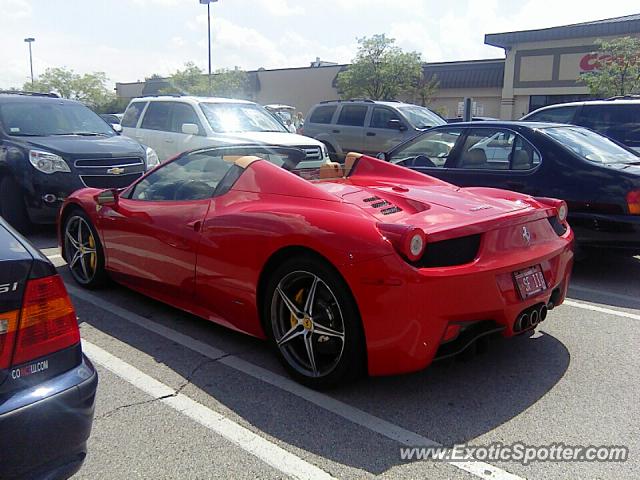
30	94
623	97
367	100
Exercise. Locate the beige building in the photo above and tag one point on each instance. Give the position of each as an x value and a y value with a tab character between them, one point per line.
542	67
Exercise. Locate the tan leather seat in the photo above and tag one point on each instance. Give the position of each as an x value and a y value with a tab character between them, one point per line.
331	170
349	161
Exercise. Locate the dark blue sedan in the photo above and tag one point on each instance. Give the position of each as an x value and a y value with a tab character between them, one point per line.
47	386
597	177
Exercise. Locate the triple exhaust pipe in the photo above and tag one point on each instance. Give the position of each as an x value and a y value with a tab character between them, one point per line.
531	317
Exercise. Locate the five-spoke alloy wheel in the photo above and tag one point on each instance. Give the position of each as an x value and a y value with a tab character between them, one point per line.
314	323
82	250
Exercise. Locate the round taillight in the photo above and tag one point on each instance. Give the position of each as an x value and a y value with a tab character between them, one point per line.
414	244
562	212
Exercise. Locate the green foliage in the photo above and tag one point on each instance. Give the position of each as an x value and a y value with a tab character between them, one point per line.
89	88
115	105
424	90
380	71
618	68
192	80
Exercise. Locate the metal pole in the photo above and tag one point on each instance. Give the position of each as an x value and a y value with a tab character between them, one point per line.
31	64
209	41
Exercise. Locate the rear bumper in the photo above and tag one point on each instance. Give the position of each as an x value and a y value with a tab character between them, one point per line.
616	232
45	428
406	311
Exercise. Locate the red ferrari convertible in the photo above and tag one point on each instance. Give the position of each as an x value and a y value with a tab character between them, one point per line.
346	269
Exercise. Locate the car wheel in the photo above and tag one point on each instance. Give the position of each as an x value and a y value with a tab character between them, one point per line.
12	207
314	324
83	250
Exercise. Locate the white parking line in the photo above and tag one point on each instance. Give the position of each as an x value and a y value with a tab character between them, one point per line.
344	410
268	452
608	311
593	291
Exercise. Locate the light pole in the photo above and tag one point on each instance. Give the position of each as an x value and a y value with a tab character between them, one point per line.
208	3
30	40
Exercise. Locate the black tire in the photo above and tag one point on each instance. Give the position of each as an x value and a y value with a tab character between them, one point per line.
334	311
12	206
86	264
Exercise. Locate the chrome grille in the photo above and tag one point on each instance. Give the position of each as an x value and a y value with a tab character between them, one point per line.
109	172
312	153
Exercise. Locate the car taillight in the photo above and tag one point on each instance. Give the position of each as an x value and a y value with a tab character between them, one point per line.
560	205
410	242
47	320
633	201
8	327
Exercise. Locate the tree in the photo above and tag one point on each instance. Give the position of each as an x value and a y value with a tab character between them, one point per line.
89	88
617	68
192	80
425	88
380	71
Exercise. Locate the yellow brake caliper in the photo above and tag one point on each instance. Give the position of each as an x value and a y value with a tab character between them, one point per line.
298	299
92	257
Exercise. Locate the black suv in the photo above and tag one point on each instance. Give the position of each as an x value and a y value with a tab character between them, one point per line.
50	147
617	117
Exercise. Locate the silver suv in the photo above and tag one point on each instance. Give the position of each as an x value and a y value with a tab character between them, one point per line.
366	126
616	117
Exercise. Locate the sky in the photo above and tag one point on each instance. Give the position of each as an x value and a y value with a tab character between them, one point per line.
133	39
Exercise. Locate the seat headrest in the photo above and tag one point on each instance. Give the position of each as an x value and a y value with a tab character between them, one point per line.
331	170
475	157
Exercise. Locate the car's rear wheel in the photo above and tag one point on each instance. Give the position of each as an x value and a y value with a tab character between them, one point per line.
314	323
12	207
83	250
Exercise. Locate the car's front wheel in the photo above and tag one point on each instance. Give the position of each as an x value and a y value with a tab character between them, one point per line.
83	250
314	323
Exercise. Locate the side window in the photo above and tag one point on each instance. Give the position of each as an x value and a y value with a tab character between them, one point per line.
554	115
157	116
620	122
192	177
429	150
524	156
182	113
132	114
381	116
323	114
487	148
352	115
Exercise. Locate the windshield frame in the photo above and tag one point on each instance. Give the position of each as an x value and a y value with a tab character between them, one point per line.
207	109
79	119
595	141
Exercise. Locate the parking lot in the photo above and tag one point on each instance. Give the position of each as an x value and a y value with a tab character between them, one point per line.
182	397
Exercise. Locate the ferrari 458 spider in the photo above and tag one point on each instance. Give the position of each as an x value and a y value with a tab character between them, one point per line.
345	269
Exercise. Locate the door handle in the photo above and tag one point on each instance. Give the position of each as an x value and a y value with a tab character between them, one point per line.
196	225
167	140
371	134
335	131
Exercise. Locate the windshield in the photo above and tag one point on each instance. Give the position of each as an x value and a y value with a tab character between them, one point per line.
42	119
421	117
239	117
591	146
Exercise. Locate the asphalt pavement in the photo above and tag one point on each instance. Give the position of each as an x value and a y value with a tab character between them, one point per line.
180	397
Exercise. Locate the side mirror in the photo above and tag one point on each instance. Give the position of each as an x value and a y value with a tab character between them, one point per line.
382	156
107	197
396	124
116	127
190	129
